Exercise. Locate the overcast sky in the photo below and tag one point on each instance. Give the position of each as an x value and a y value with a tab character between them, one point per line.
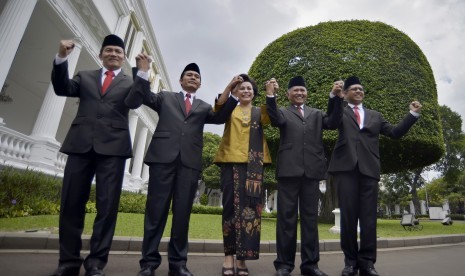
224	36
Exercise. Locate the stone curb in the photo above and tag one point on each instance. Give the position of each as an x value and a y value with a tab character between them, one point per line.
45	241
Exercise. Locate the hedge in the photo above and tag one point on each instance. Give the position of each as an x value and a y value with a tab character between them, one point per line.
29	192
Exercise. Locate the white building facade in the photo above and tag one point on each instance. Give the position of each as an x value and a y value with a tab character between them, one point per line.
33	120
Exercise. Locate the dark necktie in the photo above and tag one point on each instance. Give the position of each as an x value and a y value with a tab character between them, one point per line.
188	103
301	111
357	115
107	81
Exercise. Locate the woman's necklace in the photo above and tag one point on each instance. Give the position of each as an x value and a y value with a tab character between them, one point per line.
246	113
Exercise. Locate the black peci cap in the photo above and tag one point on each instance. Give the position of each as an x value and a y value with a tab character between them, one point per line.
296	81
191	67
113	40
351	81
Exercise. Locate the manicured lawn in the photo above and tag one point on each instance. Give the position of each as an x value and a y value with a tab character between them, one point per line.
209	227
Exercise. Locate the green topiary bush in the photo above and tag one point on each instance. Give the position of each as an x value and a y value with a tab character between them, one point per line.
203	199
392	68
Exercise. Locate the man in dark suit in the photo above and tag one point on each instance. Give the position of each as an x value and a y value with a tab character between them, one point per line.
301	164
356	168
175	160
98	144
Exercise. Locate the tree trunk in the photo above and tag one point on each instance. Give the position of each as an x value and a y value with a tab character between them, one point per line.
328	202
415	183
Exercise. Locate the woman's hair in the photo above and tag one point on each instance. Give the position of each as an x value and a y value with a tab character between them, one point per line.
246	78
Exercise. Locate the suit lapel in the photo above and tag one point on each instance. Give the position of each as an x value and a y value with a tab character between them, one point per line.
98	81
294	110
195	104
180	97
349	112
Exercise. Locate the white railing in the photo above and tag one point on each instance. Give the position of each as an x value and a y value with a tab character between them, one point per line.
14	145
15	150
60	162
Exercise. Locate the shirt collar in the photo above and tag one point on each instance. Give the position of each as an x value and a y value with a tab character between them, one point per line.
104	70
184	94
360	106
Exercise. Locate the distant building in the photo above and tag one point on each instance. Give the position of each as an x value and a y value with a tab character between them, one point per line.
33	120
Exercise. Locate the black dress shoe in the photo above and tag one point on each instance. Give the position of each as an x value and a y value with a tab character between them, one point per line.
179	270
67	271
94	271
314	271
349	271
283	272
370	271
147	271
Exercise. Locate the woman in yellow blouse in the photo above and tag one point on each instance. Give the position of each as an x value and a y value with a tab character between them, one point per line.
241	155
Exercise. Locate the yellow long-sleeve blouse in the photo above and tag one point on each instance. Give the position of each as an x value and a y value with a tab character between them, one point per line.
234	145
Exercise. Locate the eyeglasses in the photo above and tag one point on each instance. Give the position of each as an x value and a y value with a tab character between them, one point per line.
356	89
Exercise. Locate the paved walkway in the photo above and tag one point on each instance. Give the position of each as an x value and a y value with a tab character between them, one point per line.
37	254
431	260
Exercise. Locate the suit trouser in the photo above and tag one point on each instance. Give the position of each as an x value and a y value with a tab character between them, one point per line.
79	172
297	194
167	182
358	196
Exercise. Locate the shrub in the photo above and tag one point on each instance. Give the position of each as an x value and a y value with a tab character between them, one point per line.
457	216
204	199
28	192
202	209
91	208
273	214
132	202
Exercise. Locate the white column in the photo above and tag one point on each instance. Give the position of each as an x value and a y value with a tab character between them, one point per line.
48	120
336	229
13	22
45	149
132	130
139	155
145	173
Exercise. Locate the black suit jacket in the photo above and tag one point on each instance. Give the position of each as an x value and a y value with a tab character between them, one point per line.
301	151
177	134
355	145
101	122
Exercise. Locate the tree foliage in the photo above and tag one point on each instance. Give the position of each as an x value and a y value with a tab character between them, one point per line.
434	191
391	66
211	177
452	163
401	187
450	186
211	172
211	143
